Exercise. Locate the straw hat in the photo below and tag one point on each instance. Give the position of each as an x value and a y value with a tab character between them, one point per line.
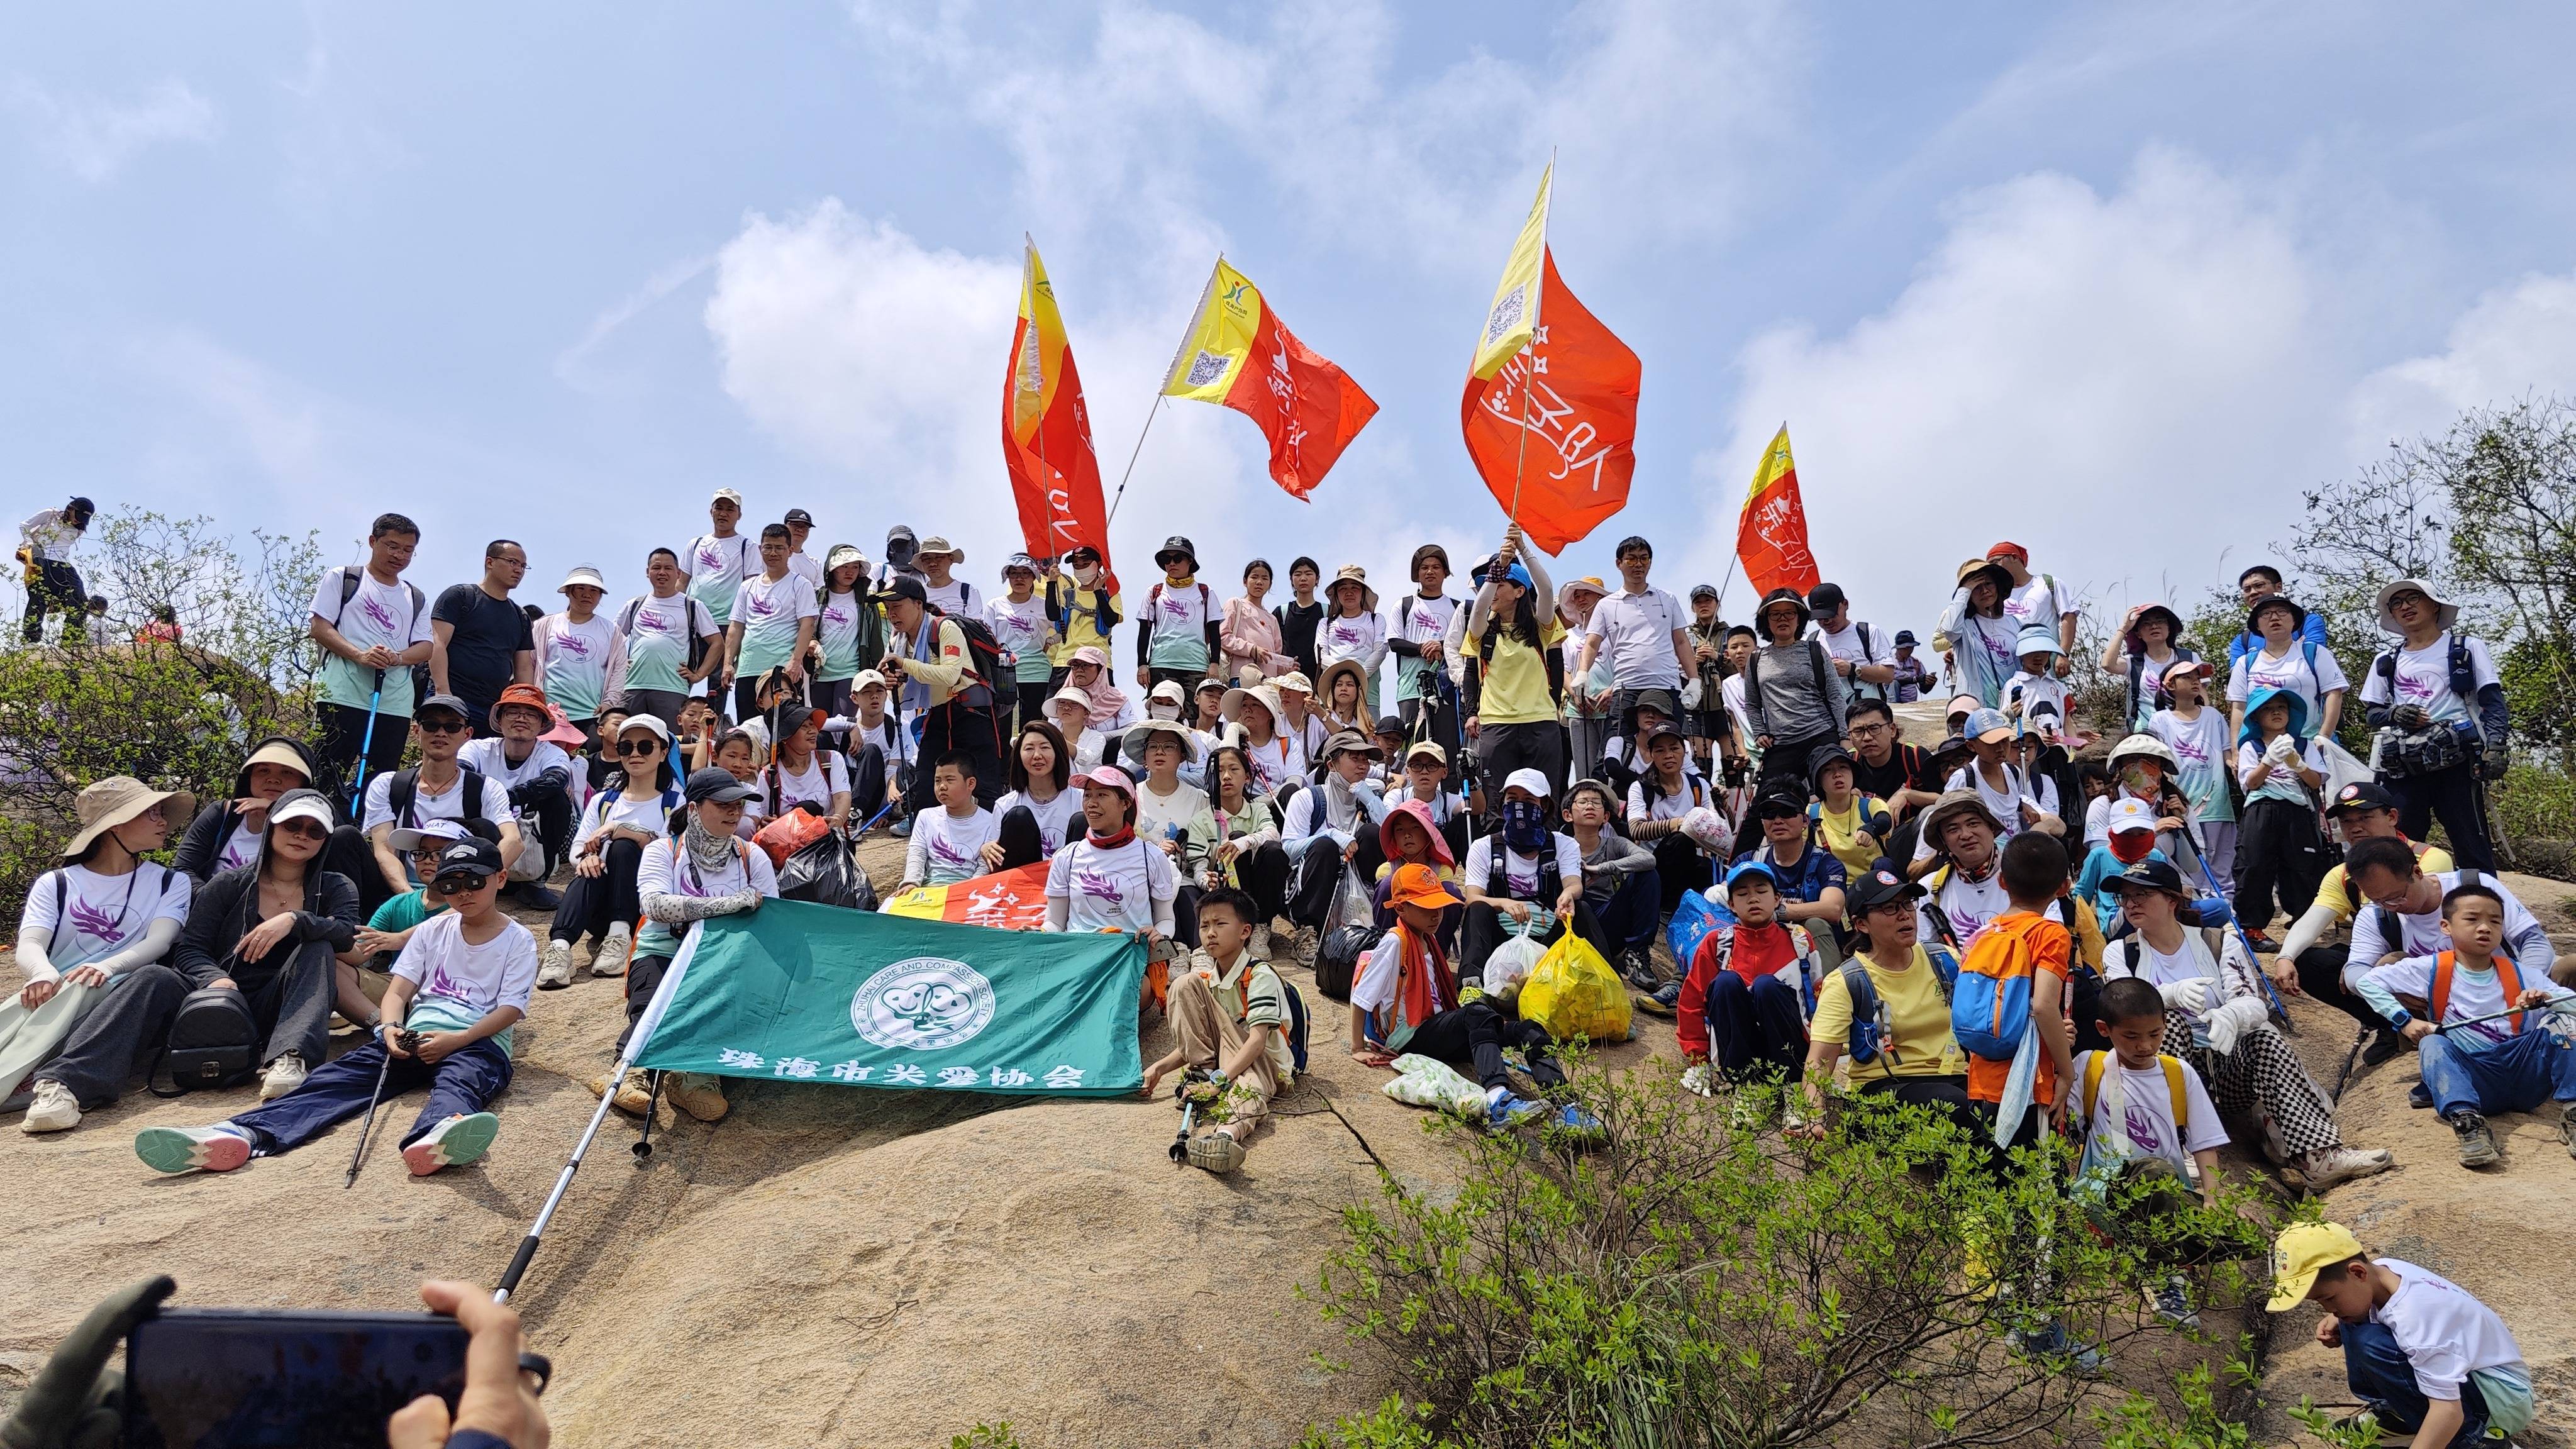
117	799
1335	670
1354	574
1132	744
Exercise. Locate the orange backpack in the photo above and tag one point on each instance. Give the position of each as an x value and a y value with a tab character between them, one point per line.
2440	1001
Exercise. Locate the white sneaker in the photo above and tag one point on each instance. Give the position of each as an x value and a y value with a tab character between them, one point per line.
283	1076
611	957
555	970
2328	1166
54	1110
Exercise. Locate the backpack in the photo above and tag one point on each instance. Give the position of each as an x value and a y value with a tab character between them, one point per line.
1990	1005
403	786
350	577
214	1041
1870	1027
2138	669
1000	681
698	645
2508	976
1337	961
2173	1088
1554	660
1823	666
2463	680
1104	614
1874	818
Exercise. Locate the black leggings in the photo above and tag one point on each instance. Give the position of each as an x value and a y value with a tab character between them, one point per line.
2277	845
57	586
591	904
1474	1036
2321	977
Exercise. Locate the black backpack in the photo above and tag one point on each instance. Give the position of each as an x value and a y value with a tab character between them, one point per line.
1337	958
350	575
984	656
1816	660
214	1041
698	643
401	788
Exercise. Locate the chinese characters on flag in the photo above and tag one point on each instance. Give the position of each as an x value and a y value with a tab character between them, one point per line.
1238	354
1771	533
1572	393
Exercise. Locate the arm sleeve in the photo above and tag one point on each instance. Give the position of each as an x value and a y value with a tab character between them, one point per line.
2311	928
199	847
153	945
194	955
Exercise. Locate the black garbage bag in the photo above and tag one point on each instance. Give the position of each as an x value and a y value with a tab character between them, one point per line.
824	872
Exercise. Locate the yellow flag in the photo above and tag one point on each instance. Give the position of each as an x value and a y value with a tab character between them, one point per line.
1041	342
1514	315
1219	340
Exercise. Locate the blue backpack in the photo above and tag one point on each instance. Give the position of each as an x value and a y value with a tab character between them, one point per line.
1297	1023
1990	1001
1693	919
1869	1028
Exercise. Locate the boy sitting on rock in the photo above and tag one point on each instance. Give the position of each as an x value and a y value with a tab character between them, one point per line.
1229	1015
2487	1041
1745	1000
2148	1128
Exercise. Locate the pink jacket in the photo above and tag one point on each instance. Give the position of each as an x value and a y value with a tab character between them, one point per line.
1250	637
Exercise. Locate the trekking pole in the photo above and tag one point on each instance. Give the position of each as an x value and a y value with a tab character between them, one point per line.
2280	1008
652	1104
645	1026
1189	1116
366	747
383	1071
2452	1026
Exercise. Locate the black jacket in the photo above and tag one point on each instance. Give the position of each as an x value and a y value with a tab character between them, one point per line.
203	845
226	907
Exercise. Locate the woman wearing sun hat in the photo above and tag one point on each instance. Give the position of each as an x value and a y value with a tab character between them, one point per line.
581	658
1352	630
1977	634
93	942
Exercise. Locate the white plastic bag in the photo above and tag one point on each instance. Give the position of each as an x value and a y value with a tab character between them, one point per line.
1422	1081
1511	963
1708	829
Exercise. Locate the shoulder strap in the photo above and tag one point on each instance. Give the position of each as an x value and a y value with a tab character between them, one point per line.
398	796
1816	658
2385	666
626	618
348	590
61	888
2439	999
2093	1065
2173	1089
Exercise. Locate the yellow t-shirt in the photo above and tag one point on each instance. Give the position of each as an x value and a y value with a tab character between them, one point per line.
2336	892
1515	690
1084	627
1840	833
1917	1014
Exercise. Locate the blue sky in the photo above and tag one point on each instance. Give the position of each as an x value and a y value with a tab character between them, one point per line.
2117	281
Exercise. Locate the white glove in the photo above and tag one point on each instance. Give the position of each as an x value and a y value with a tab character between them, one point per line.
2233	1020
2187	996
2283	751
1697	1078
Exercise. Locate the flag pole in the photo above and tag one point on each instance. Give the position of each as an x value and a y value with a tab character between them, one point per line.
1161	395
1132	455
1538	294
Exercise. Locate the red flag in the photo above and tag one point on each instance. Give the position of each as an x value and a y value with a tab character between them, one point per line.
1239	354
1046	431
1576	386
1771	532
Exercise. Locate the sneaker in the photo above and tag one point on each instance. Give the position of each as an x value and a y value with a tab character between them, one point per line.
2419	1097
191	1149
610	958
2477	1144
1216	1151
2173	1304
903	828
2328	1166
1669	996
54	1110
452	1143
2263	943
697	1094
634	1093
1639	969
1573	1118
2384	1045
1506	1108
1646	1003
537	896
554	973
283	1076
2567	1131
2053	1345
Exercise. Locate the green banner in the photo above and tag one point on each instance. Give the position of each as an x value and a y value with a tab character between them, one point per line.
807	993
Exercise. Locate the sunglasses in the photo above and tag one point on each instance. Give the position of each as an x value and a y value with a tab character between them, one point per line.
441	726
304	829
637	747
459	885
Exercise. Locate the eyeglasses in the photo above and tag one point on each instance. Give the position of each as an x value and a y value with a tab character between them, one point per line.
637	747
441	726
1868	729
305	829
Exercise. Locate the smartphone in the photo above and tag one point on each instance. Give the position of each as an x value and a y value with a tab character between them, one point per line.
249	1378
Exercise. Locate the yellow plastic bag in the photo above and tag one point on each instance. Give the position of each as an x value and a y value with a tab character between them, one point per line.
1574	993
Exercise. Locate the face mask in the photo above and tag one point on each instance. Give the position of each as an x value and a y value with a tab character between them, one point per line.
2131	846
1162	711
1524	825
1086	574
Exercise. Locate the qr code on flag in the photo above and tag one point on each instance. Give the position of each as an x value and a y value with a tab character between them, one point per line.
1507	313
1207	367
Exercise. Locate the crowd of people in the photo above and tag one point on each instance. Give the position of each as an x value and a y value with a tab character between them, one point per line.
1387	789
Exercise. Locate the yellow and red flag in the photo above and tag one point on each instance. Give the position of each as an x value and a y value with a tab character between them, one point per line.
1771	532
1009	900
1046	431
1238	354
1550	411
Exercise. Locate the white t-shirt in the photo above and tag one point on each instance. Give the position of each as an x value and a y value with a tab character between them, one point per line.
459	982
448	804
1418	620
2034	697
2448	1335
1058	819
2146	1109
574	668
377	614
2424	677
486	755
836	628
1177	627
948	848
953	597
100	914
769	611
1362	638
1380	974
807	567
667	871
2278	783
659	636
1846	643
1167	817
824	776
1694	792
1021	631
2474	993
1113	889
1965	906
2200	743
2040	601
613	809
1636	634
1276	763
2422	935
2005	803
2255	670
1520	872
240	848
717	567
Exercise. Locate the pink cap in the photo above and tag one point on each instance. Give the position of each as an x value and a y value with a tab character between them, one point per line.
1107	777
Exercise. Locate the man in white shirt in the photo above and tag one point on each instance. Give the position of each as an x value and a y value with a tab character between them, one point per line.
537	775
2036	599
800	563
434	789
374	630
1644	631
1860	656
660	633
937	557
45	544
715	564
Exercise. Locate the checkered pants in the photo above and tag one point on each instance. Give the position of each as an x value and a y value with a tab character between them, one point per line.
2261	1080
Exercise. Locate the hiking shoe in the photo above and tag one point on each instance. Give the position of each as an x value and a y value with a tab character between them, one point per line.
1506	1108
2173	1304
554	973
2384	1045
2057	1348
2477	1144
1669	996
1573	1118
634	1093
54	1110
537	896
1282	928
283	1076
610	958
697	1094
1216	1151
2262	942
1639	969
902	829
452	1143
1646	1003
2328	1166
191	1149
2567	1131
2419	1097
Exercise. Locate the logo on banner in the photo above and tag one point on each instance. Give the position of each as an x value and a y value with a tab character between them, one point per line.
923	1004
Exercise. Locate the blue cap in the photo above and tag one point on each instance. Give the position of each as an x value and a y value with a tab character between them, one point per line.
1751	867
1518	573
1988	725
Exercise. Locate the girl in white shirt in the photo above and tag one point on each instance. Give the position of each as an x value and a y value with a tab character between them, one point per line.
604	900
801	772
1352	630
1039	814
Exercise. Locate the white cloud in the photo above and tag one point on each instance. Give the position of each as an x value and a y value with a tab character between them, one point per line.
2125	383
94	139
2515	339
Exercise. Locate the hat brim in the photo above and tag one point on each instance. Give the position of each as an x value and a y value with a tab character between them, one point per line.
1140	735
150	800
280	755
2445	612
1996	736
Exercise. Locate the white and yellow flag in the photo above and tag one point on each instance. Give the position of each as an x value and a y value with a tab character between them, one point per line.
1512	319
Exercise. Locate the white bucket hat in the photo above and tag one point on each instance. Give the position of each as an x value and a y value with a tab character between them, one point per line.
582	575
2443	609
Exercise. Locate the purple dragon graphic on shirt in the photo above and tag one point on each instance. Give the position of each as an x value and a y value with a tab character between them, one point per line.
442	984
2143	1128
947	854
573	644
1099	887
377	613
92	921
708	558
761	607
837	615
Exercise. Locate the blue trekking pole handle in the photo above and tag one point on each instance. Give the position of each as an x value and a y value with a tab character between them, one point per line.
366	747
